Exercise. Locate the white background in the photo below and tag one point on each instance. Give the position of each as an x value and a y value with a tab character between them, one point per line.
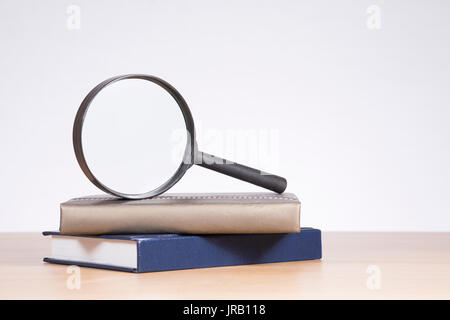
362	114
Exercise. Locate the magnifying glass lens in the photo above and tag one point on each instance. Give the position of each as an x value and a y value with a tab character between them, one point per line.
134	136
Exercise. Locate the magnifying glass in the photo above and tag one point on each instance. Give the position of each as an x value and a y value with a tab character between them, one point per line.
151	114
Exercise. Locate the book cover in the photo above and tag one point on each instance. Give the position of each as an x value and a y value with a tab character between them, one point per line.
157	252
198	213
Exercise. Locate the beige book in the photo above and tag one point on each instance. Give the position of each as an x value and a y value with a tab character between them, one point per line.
196	213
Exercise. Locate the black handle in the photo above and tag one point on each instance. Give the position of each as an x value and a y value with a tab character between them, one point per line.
239	171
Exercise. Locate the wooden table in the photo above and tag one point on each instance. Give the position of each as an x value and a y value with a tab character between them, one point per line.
355	265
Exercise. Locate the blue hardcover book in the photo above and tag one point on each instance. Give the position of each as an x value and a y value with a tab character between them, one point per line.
157	252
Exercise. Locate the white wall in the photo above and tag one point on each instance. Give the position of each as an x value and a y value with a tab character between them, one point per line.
362	114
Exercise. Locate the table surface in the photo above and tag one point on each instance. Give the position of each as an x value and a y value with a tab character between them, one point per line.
354	265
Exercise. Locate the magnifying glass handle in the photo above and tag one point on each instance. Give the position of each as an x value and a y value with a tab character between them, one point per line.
241	172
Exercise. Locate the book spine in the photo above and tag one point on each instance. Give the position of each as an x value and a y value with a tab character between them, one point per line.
226	250
193	219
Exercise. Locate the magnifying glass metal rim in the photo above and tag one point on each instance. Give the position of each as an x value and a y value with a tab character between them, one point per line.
190	150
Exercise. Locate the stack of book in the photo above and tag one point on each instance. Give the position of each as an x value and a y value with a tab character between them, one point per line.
180	231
